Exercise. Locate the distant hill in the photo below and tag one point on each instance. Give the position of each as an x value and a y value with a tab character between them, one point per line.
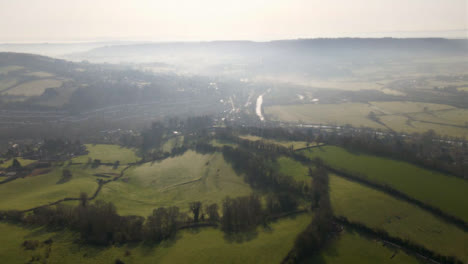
285	56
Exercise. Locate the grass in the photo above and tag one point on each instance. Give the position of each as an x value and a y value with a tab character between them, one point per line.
22	161
175	181
294	168
222	143
40	74
172	142
400	107
452	117
351	247
442	191
31	191
284	143
378	210
401	116
7	69
7	83
34	88
108	154
354	114
207	245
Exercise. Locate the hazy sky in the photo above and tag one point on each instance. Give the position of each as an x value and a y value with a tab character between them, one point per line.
157	20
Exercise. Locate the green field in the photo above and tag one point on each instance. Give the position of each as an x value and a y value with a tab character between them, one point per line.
172	142
439	190
402	107
108	154
450	117
175	181
378	210
31	191
284	143
7	83
401	116
351	247
222	143
207	245
288	166
34	88
354	114
23	162
7	69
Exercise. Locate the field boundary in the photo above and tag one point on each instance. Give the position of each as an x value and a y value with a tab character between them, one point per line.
405	245
401	196
101	183
389	191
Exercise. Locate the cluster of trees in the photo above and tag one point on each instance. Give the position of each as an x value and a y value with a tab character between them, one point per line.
443	153
241	214
313	238
260	172
49	149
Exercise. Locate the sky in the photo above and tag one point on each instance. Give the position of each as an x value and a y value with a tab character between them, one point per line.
204	20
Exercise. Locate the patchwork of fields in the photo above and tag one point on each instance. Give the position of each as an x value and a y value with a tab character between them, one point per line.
206	245
353	248
407	117
208	178
439	190
175	181
378	210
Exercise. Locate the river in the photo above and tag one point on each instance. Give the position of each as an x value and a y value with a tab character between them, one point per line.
258	109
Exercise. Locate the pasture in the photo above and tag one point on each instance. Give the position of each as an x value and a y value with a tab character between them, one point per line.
34	88
108	154
401	116
439	190
290	167
175	181
284	143
205	245
23	162
31	191
378	210
354	114
351	247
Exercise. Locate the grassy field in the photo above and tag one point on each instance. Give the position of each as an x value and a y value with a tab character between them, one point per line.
22	161
452	117
7	69
40	74
175	181
108	154
7	83
354	114
294	168
222	143
34	88
351	247
31	191
172	142
402	124
439	190
206	245
284	143
378	210
401	116
398	107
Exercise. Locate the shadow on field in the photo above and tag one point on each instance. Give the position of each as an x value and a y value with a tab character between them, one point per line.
240	237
